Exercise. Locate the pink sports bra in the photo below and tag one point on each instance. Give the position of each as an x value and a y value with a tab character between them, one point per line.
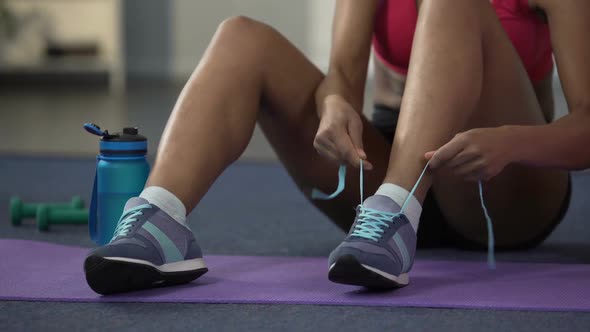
396	21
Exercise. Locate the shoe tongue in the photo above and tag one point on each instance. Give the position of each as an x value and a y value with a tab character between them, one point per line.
381	203
135	201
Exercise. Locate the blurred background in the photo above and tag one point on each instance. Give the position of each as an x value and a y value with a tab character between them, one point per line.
123	63
120	62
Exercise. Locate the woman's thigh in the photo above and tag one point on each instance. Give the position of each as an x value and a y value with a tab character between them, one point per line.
524	202
289	120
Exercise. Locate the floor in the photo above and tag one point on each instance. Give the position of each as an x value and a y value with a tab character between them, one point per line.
292	228
49	121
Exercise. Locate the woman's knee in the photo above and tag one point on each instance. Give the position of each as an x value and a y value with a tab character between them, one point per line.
454	4
242	38
245	29
451	9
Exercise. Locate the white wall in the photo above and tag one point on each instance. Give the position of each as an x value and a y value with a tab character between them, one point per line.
195	22
168	37
320	31
147	35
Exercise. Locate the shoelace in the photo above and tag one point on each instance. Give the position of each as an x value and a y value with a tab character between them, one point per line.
371	222
127	220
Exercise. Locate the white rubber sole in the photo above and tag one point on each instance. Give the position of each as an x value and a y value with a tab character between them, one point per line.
402	279
182	266
348	270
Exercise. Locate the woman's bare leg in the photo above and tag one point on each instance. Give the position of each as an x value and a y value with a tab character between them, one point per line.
251	73
464	73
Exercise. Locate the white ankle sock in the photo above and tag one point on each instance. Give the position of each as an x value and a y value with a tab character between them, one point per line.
399	195
166	201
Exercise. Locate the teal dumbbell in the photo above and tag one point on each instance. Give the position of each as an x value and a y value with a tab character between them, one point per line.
51	215
20	210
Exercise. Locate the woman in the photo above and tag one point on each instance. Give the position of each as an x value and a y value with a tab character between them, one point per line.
476	105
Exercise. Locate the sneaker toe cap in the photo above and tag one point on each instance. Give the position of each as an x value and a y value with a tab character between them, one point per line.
129	250
369	255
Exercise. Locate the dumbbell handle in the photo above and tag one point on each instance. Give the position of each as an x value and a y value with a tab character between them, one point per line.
48	215
20	210
68	217
30	209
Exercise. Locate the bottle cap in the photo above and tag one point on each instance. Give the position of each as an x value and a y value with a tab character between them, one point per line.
125	143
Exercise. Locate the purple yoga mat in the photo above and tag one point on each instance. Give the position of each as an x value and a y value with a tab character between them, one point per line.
38	271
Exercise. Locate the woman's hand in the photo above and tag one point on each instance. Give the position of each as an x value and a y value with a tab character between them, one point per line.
477	154
340	133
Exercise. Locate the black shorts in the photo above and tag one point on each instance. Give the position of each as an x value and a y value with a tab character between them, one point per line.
434	230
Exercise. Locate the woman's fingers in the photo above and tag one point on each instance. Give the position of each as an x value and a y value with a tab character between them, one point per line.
340	134
336	146
367	165
428	155
447	152
355	130
347	150
461	158
326	149
469	170
340	148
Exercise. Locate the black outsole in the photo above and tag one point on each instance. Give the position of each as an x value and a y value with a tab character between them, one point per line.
106	276
347	270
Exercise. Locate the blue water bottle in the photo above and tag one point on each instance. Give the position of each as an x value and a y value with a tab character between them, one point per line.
121	173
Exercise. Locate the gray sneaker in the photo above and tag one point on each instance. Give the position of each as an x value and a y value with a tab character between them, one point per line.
379	249
149	249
